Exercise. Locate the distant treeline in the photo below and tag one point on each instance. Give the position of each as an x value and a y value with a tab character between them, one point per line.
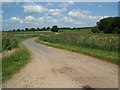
48	29
105	25
74	28
32	29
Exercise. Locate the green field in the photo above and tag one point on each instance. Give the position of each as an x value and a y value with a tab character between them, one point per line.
103	46
99	45
81	30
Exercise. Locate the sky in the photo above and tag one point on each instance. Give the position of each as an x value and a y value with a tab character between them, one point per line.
63	14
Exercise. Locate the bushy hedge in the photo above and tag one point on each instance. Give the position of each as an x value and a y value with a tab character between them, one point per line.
9	42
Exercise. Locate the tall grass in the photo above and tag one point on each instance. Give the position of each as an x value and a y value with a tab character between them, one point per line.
103	46
9	42
94	41
14	62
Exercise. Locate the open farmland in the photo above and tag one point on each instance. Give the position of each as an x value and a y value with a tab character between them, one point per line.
65	44
94	41
106	44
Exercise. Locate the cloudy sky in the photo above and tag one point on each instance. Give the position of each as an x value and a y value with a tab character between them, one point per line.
63	14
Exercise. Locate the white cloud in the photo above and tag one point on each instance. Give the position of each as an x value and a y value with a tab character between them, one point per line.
70	2
45	20
66	19
29	18
66	4
100	6
15	20
72	21
33	8
84	17
34	20
54	12
83	14
78	13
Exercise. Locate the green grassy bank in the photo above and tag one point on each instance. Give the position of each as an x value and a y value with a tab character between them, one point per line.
14	62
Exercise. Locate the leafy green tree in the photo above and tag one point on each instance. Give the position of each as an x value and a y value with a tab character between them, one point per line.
22	30
26	29
54	29
14	30
44	28
18	29
48	28
38	29
109	25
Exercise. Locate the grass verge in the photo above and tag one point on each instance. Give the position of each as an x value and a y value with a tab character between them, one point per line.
14	62
104	55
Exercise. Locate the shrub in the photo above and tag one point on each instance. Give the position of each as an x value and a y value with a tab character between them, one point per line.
54	29
9	42
95	30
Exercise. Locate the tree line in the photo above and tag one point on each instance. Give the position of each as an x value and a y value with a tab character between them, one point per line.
54	28
105	25
32	29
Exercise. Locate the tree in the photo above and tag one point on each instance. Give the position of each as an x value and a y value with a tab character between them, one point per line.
14	30
26	29
54	29
18	29
44	28
38	29
22	30
109	25
48	28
